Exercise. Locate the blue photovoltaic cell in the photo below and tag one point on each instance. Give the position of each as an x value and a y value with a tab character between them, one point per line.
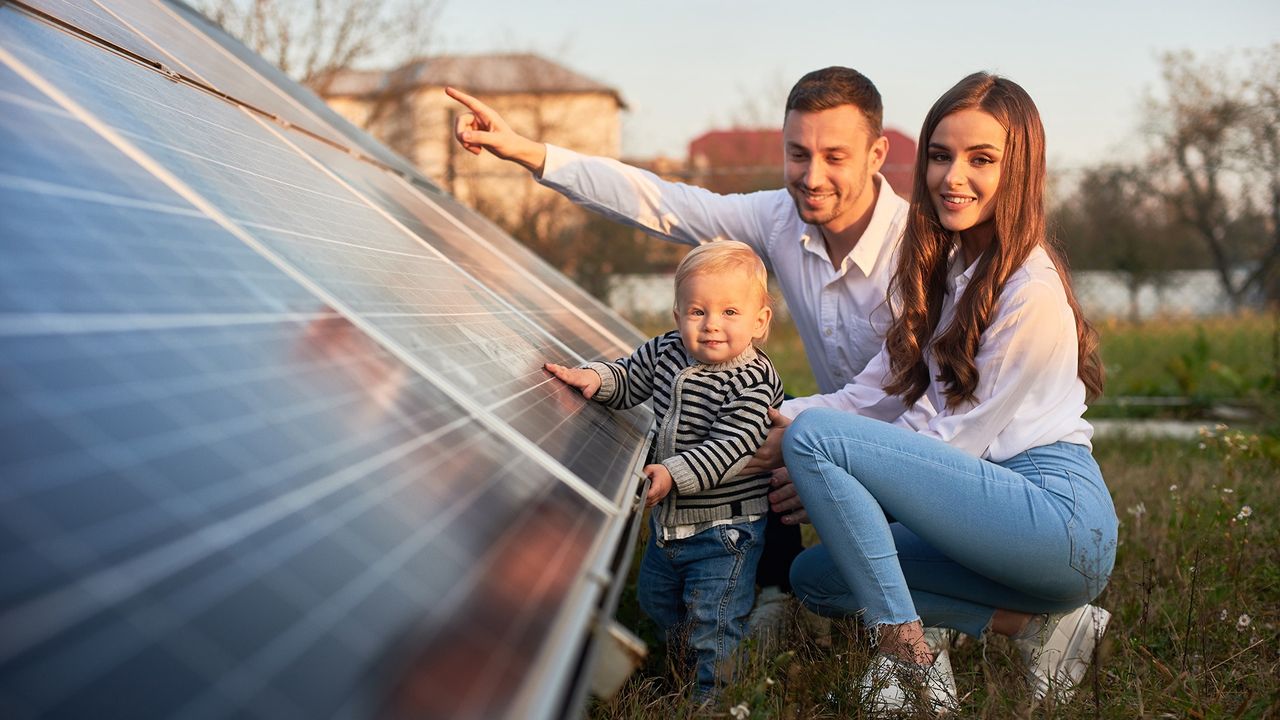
212	64
537	267
222	497
351	134
208	55
98	22
419	212
449	320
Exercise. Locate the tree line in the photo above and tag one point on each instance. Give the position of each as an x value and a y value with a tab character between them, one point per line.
1205	192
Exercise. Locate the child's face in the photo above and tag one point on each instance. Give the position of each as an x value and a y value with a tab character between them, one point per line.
719	314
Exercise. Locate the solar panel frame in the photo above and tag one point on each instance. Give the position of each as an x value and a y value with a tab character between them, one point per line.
589	586
302	237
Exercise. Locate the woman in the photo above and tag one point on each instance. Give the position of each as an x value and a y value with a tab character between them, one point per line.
960	489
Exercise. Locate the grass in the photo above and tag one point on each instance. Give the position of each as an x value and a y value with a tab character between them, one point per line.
1201	364
1195	593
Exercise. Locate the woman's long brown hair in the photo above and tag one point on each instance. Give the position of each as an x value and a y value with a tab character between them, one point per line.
920	279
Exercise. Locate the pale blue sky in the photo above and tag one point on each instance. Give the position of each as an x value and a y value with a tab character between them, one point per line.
687	66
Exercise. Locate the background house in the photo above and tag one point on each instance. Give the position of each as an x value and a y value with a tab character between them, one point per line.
407	109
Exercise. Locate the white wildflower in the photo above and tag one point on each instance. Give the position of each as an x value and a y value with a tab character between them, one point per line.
1243	622
1202	447
1137	510
1223	615
1228	490
1245	511
1173	488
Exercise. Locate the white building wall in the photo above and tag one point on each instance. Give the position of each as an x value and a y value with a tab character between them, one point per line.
1194	293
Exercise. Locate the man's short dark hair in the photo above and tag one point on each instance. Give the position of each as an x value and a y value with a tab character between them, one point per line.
835	86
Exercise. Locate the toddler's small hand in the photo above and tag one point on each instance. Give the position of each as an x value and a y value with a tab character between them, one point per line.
660	483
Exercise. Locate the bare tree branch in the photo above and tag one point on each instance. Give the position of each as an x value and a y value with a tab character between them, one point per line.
1215	139
313	40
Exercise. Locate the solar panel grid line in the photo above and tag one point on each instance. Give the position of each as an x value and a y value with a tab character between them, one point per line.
35	620
421	241
568	305
206	591
187	646
501	278
534	701
251	674
508	246
188	194
85	20
149	55
31	324
573	615
13	182
139	452
571	306
476	237
311	124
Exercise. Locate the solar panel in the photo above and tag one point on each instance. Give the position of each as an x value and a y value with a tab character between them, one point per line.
274	435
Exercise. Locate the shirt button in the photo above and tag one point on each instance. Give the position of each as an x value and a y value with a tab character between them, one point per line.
827	332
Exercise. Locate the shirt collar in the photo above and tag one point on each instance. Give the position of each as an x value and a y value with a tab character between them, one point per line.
876	236
958	275
873	240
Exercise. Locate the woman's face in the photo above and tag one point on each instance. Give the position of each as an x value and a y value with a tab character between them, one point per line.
963	172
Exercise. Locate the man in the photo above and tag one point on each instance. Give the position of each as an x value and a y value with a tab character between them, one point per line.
829	238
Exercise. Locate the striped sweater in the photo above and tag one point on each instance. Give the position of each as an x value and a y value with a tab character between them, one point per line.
711	420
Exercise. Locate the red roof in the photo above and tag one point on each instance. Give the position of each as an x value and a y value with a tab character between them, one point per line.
898	165
737	148
759	153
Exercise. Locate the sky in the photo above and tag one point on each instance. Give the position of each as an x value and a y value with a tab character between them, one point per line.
688	66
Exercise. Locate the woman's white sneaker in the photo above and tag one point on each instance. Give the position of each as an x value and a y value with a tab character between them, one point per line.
1057	658
892	686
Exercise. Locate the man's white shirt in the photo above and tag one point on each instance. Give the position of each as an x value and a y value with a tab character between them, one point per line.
840	313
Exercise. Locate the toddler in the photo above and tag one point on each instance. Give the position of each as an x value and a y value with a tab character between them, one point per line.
711	390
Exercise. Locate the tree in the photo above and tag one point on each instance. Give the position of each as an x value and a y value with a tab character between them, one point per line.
313	40
1263	124
1114	222
1216	146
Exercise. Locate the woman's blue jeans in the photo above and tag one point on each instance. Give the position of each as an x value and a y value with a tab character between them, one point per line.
913	529
700	590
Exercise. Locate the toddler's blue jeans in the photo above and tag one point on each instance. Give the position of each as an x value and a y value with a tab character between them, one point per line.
700	590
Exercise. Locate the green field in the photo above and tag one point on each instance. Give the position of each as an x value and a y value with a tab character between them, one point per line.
1195	594
1204	369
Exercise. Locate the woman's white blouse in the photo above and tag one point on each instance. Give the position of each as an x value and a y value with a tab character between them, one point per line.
1029	393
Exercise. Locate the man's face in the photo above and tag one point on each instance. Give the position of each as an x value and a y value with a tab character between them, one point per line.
830	159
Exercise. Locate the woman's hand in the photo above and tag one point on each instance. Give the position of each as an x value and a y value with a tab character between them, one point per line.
484	129
769	456
784	499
